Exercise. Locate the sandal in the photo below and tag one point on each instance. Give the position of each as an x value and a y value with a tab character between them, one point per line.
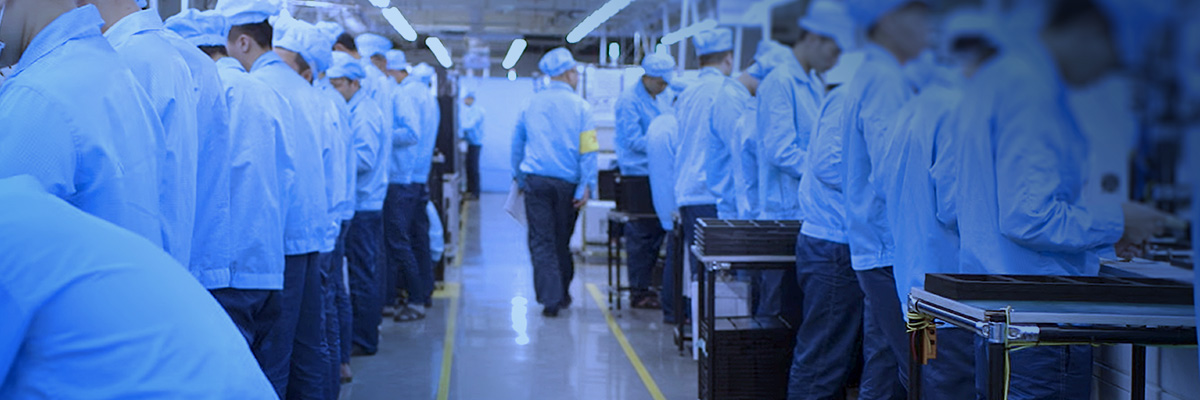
408	314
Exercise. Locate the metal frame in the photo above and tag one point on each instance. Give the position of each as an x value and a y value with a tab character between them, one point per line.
615	246
1105	324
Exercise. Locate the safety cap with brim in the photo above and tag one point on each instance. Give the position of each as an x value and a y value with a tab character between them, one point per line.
424	72
396	60
865	13
829	18
245	12
291	36
345	66
331	30
659	65
557	62
970	23
200	28
712	41
769	56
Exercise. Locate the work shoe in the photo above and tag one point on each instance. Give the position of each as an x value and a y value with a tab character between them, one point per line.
550	312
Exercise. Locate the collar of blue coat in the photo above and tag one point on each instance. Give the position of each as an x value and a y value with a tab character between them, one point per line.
230	63
877	53
132	24
710	71
357	98
79	23
268	58
560	85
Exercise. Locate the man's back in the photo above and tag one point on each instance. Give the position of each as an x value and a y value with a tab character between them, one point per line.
140	40
93	311
72	122
693	110
552	125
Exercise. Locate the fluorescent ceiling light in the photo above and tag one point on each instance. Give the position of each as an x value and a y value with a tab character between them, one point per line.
514	53
381	3
401	25
675	37
439	51
512	74
614	51
598	17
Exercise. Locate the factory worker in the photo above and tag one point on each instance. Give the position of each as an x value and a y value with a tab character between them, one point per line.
1024	169
307	220
707	107
406	227
662	144
635	109
303	48
55	130
915	174
252	289
91	310
554	162
374	48
471	123
139	38
364	243
769	56
897	33
377	83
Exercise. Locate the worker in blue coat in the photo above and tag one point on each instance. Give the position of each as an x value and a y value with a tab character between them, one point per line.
897	34
635	109
471	125
307	222
915	176
364	244
72	120
378	84
140	41
554	162
769	56
250	287
662	144
406	121
707	112
1023	169
72	286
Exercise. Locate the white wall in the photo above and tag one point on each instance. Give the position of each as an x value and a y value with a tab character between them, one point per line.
502	100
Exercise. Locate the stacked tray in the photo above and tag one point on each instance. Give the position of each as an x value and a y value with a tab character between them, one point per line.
746	358
718	237
1099	289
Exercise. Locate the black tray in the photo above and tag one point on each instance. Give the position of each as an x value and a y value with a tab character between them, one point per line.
1059	288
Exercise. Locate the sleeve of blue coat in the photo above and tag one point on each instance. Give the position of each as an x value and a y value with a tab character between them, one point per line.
518	148
779	101
1035	205
881	103
629	130
826	143
588	147
366	142
40	147
12	331
407	126
944	171
726	111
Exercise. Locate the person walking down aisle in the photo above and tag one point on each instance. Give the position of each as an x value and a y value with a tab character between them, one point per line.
471	122
75	118
635	109
554	160
307	218
91	310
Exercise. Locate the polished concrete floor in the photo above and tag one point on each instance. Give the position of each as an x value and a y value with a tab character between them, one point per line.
485	338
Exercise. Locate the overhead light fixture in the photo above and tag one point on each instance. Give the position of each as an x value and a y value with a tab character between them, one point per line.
439	51
514	53
381	3
401	25
614	52
598	17
692	30
512	74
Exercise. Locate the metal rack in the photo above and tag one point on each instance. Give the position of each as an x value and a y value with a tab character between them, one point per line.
1006	323
615	246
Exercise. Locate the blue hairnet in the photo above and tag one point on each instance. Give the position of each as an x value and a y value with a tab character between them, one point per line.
713	41
829	18
970	22
370	44
658	65
556	62
469	93
331	30
396	60
867	12
319	47
244	12
200	28
345	66
424	72
770	55
143	3
303	39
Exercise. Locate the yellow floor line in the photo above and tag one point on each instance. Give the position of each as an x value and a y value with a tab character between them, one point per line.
452	291
620	335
